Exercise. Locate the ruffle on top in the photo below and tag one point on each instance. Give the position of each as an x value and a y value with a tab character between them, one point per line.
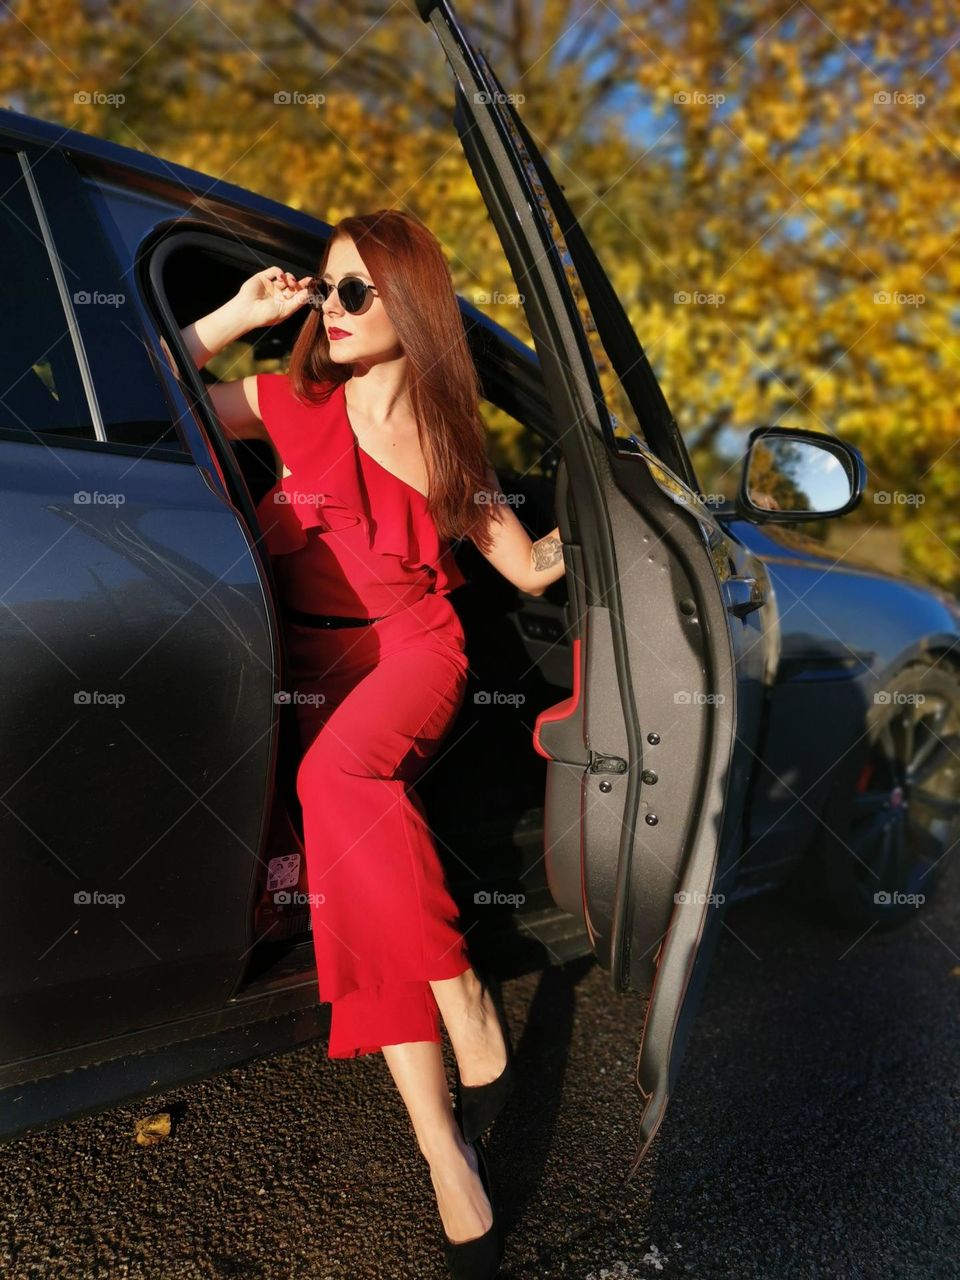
334	485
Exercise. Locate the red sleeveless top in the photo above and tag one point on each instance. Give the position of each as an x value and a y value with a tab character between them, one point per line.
345	535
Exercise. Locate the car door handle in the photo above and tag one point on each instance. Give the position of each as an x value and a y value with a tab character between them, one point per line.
743	595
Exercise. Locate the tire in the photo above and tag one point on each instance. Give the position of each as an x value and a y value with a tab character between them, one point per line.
883	850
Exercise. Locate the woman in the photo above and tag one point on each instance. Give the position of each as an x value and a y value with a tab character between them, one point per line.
382	448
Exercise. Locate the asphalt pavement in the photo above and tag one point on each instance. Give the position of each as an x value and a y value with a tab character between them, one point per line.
813	1133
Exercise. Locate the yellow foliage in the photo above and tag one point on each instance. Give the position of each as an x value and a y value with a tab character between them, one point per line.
800	198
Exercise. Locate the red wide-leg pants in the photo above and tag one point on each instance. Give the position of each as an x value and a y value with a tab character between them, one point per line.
373	704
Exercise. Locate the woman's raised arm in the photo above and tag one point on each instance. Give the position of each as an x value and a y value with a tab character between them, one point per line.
264	299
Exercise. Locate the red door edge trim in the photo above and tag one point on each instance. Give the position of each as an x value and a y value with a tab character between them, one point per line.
562	709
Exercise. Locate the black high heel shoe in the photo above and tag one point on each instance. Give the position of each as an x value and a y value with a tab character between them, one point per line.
476	1106
479	1258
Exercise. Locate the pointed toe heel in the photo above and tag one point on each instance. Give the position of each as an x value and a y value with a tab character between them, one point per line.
479	1258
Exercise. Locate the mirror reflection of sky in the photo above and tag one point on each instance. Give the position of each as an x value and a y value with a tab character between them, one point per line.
815	471
825	478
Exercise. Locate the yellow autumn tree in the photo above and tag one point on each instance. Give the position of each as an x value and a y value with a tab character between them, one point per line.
772	191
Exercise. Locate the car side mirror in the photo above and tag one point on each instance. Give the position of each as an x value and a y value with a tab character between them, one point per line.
791	475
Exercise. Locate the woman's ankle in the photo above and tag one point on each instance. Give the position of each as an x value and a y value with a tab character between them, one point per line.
444	1147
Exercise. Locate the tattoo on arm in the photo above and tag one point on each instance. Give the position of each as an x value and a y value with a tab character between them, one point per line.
547	552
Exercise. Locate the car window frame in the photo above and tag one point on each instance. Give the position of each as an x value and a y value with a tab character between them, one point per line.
68	225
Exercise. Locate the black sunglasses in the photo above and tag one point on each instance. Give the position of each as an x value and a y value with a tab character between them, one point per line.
356	296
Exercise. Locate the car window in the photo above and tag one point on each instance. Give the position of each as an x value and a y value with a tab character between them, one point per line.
239	359
513	446
41	389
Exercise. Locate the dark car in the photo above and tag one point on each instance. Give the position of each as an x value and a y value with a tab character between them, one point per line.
706	706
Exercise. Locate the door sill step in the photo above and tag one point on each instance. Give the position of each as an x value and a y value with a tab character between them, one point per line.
562	937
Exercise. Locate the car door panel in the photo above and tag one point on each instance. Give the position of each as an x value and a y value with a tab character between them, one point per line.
655	806
138	707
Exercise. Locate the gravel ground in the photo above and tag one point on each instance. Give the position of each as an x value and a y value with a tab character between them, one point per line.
813	1133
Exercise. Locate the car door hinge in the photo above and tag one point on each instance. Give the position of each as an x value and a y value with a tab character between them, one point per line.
606	764
743	595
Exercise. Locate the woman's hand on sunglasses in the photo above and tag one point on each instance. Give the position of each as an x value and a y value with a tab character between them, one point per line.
271	295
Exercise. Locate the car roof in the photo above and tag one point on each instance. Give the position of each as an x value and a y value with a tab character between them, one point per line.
145	171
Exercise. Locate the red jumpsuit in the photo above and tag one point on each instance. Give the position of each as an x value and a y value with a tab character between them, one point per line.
373	702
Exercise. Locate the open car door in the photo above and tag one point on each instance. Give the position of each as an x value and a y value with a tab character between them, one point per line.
650	757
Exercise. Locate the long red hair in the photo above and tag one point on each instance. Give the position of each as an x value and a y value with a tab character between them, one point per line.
406	263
